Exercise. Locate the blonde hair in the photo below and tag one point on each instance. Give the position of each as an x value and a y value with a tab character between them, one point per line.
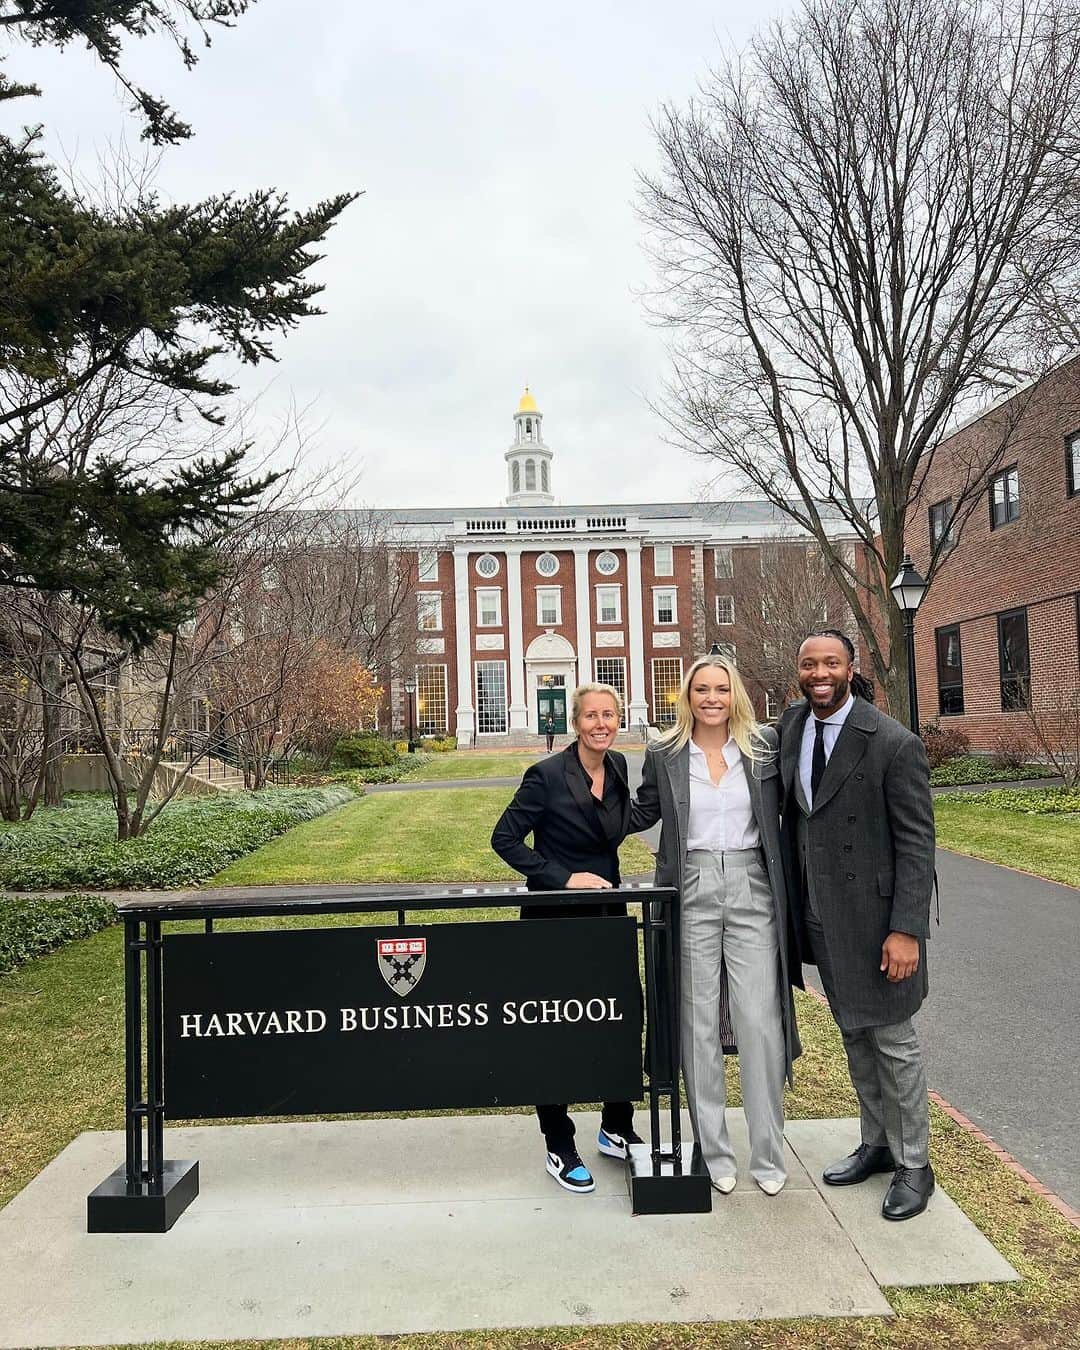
583	689
743	725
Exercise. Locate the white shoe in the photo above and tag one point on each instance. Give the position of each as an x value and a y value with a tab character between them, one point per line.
769	1186
725	1185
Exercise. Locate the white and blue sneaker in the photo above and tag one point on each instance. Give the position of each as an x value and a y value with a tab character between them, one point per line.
616	1145
570	1172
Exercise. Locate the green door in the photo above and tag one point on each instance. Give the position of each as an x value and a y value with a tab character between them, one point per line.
551	701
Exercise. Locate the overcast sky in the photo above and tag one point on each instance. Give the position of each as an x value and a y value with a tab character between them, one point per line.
496	145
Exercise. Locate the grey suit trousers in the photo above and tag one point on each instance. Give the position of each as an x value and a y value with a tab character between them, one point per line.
727	917
887	1074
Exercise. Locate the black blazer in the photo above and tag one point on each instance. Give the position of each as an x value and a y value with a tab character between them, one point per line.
555	804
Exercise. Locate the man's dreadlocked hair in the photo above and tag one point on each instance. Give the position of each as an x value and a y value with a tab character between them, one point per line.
860	685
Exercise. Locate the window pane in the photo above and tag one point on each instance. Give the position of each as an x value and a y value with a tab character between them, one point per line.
667	676
431	700
1015	661
722	557
490	697
612	670
725	609
663	560
950	671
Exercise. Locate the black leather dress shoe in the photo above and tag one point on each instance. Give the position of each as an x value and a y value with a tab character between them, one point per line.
864	1162
909	1193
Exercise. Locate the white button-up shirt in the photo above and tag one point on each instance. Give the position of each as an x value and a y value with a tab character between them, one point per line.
833	725
721	814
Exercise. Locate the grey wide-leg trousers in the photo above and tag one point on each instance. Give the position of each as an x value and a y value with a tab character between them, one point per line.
727	916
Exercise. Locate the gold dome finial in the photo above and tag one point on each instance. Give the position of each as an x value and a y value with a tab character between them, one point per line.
528	403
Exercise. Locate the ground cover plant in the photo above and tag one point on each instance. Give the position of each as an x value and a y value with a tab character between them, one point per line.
31	926
438	835
74	846
1033	829
963	769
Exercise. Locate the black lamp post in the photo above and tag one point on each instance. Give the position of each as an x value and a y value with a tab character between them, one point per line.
410	689
908	590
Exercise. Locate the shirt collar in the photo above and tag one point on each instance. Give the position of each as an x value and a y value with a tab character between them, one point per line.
732	753
839	717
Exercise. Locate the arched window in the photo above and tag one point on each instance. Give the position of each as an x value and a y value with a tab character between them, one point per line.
515	474
528	428
544	475
530	475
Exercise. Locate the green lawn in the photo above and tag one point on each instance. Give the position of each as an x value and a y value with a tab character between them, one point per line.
1047	845
463	764
440	835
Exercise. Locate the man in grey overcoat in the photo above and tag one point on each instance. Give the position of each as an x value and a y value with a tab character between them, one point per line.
859	835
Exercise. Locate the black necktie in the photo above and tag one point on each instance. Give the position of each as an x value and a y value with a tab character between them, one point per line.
817	764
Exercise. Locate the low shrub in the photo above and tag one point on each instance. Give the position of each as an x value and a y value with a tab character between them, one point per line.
978	769
1011	749
401	747
1054	801
439	744
943	743
364	752
34	925
73	847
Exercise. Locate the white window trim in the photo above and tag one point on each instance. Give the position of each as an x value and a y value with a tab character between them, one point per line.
547	553
606	553
555	591
481	591
655	701
596	676
724	623
615	586
487	576
718	550
673	591
772	705
436	627
668	569
427	564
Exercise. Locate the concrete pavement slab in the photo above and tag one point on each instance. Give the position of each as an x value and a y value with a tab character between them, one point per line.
386	1226
940	1246
433	1223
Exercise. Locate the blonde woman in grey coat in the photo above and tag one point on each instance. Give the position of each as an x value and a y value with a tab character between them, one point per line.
713	781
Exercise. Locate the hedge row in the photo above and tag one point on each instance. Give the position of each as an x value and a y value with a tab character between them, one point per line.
31	926
72	847
976	769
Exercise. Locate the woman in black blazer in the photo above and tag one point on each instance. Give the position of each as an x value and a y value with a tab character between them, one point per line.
577	807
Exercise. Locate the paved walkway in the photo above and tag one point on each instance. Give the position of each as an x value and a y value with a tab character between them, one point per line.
385	1227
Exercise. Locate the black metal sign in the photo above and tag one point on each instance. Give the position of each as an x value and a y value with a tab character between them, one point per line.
317	1021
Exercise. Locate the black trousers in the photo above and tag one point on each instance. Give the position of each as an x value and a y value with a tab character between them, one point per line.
556	1123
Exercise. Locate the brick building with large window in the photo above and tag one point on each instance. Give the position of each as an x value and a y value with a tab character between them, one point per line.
515	604
999	629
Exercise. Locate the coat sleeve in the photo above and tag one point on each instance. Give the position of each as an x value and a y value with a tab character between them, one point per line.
645	805
911	818
519	819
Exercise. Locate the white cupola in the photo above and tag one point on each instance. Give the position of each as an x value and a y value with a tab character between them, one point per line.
528	461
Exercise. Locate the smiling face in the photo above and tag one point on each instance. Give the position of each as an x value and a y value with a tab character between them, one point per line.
710	697
597	722
825	671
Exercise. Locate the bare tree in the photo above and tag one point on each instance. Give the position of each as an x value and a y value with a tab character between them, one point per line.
770	609
1054	718
862	229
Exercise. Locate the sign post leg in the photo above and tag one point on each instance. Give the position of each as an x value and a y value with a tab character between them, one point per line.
143	1197
658	1180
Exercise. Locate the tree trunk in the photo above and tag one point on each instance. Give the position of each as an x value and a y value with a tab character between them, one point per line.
51	699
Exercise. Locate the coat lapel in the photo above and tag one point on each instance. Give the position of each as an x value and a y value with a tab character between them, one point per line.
790	747
849	749
677	767
578	788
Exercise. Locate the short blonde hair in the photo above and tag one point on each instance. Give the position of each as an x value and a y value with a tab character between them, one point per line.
743	725
583	689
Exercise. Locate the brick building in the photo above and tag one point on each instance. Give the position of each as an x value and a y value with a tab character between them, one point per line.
1000	623
515	604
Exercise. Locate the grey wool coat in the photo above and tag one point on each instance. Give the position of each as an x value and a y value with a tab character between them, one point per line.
863	858
664	795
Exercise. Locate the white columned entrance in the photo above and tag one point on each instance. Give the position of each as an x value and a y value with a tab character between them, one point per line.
583	611
519	709
550	661
639	707
466	717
